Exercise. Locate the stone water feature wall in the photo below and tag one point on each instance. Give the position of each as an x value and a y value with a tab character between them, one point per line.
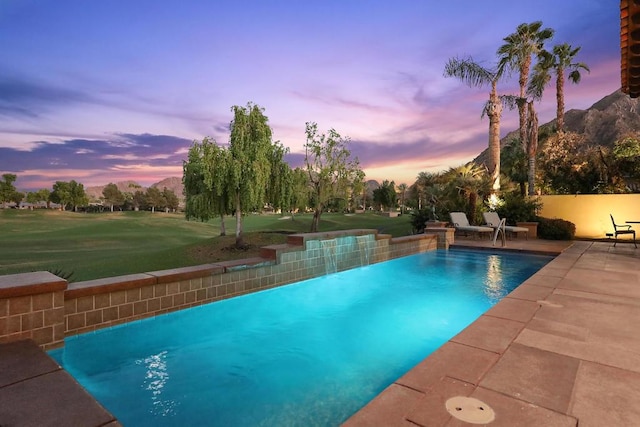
68	309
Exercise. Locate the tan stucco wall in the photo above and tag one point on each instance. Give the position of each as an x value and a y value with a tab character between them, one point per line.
590	212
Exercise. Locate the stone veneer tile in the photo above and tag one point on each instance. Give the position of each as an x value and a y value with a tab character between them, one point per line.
110	314
85	303
140	307
51	317
43	335
42	301
93	317
178	299
118	297
190	297
146	292
14	324
166	302
153	305
75	321
102	301
173	288
160	290
4	307
125	310
58	299
19	305
132	295
536	376
184	286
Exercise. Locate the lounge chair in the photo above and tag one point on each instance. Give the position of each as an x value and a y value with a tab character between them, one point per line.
622	229
492	219
461	223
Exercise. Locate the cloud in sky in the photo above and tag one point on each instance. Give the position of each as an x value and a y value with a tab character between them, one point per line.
119	90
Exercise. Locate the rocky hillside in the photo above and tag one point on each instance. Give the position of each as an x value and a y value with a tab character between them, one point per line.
173	183
605	122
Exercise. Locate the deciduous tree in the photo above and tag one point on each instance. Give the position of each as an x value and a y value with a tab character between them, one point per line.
330	168
113	196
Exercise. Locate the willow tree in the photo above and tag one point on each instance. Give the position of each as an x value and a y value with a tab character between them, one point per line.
250	161
330	168
475	75
280	187
204	179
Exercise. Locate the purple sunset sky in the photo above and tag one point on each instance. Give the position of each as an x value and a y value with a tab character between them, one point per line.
106	91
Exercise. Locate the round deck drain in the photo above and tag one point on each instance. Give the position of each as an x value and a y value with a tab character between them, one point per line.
470	410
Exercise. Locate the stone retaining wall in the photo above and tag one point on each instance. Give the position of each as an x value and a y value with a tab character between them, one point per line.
45	308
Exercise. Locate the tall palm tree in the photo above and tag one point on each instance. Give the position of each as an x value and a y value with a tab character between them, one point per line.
475	75
562	58
517	53
403	193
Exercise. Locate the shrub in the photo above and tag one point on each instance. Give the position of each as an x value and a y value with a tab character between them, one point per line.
556	229
519	209
418	218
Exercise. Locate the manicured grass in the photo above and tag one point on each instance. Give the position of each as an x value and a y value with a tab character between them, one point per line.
111	244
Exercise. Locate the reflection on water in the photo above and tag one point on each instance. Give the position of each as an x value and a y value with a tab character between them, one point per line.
155	380
494	283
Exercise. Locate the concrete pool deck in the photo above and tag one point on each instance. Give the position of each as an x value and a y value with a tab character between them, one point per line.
562	349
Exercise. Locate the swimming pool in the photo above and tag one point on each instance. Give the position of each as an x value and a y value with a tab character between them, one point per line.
310	353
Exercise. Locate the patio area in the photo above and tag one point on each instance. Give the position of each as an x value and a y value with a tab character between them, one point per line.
561	350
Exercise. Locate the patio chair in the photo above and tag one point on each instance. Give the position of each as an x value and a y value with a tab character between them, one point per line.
492	219
622	229
461	223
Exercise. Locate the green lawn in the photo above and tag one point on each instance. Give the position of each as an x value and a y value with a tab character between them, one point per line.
111	244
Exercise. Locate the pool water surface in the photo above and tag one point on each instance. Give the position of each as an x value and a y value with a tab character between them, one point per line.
309	353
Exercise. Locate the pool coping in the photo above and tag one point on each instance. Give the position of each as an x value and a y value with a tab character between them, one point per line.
542	355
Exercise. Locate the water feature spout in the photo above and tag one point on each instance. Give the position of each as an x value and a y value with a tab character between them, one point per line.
365	249
329	255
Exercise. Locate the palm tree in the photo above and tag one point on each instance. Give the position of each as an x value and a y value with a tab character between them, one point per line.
403	192
470	180
517	53
559	60
474	75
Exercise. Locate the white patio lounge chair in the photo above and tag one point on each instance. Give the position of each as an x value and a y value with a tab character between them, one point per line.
492	219
461	223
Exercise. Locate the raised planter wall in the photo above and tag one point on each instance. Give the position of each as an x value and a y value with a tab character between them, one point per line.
43	307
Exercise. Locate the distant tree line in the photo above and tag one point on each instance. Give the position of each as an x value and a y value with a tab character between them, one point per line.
71	195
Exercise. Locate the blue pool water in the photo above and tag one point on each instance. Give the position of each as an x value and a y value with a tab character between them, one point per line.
310	353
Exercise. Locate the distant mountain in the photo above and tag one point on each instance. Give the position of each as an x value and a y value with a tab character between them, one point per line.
174	184
605	122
